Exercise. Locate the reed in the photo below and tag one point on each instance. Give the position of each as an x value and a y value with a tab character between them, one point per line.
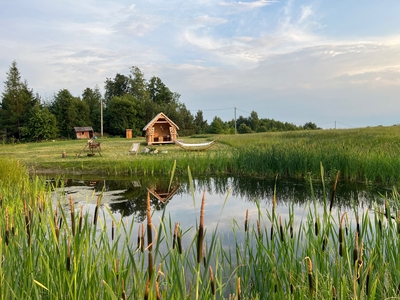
105	263
364	154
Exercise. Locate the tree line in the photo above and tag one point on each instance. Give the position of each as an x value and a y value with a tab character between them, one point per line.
129	101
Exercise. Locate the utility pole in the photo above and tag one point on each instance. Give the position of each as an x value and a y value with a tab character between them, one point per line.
234	115
101	117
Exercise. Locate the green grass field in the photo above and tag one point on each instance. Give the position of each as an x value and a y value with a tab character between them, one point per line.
365	154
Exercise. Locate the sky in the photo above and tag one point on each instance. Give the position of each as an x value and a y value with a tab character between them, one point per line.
333	63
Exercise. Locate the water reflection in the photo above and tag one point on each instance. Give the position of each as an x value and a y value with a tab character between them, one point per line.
127	196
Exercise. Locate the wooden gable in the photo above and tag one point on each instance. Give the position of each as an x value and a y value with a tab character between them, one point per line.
161	130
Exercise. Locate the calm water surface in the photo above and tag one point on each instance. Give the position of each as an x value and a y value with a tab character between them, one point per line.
226	199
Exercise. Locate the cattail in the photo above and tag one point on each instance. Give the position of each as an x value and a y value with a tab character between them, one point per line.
60	221
112	230
246	221
387	210
179	240
200	235
116	267
212	283
96	210
275	282
123	296
68	255
142	239
333	293
27	223
258	228
334	192
291	283
272	231
204	256
341	228
367	281
149	237
316	227
6	237
72	209
358	222
175	234
146	293
80	219
310	277
324	241
12	226
238	288
281	228
291	229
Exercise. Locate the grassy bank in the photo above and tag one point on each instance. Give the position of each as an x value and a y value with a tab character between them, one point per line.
366	154
52	252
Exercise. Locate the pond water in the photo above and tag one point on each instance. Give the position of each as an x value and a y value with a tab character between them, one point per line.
226	199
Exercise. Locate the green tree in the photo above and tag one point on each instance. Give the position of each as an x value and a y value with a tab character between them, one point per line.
138	85
42	124
200	124
16	102
159	92
254	121
93	100
243	128
117	87
216	126
121	114
70	112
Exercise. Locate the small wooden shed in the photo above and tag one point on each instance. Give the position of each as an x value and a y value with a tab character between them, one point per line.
83	132
161	130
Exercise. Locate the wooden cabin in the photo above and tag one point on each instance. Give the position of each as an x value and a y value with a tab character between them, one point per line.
161	130
83	132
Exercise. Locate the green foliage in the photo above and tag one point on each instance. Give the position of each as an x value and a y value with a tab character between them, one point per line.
243	128
70	112
42	125
122	114
16	103
93	100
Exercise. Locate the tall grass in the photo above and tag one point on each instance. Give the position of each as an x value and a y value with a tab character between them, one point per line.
50	251
365	154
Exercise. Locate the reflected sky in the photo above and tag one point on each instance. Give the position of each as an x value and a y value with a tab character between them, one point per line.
226	200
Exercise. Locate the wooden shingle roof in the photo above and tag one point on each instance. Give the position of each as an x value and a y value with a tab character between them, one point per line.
161	115
83	129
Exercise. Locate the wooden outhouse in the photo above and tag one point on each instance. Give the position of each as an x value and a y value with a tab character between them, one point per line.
161	130
83	132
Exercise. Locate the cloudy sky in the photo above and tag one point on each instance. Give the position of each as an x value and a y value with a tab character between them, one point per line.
334	63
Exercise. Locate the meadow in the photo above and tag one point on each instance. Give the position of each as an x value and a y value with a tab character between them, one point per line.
364	154
49	251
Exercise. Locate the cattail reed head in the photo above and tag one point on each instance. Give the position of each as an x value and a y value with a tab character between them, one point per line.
200	236
281	228
80	219
316	227
341	228
96	210
272	231
324	242
179	240
291	228
175	234
310	277
246	221
112	230
212	283
123	295
68	262
7	233
258	229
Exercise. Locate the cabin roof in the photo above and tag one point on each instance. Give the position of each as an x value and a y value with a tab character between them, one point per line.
161	115
83	129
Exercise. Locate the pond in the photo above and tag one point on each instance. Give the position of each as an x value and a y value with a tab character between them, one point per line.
227	199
